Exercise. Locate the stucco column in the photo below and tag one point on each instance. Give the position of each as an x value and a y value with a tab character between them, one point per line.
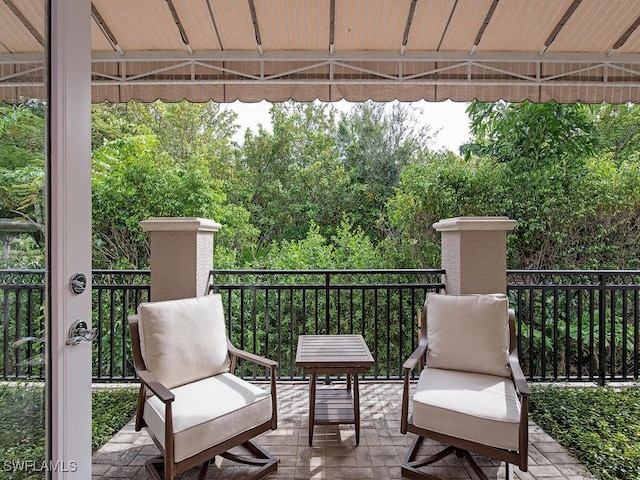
181	256
474	253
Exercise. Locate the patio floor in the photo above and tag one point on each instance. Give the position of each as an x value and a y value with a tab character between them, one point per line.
334	454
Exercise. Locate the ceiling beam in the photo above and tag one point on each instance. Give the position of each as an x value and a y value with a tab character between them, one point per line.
256	27
215	24
332	25
106	31
483	27
20	16
176	18
625	36
407	27
560	25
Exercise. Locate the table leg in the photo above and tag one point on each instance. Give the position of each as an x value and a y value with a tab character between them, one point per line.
356	406
312	405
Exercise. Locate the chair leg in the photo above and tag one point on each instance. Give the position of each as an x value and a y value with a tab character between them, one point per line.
203	470
410	465
155	468
508	472
260	457
257	457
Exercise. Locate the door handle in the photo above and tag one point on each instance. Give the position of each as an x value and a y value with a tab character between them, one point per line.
79	332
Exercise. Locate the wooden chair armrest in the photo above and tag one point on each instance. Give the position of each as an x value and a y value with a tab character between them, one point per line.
415	357
517	375
156	387
265	362
409	365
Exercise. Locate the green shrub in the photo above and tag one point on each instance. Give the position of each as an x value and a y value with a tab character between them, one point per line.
111	409
22	425
599	426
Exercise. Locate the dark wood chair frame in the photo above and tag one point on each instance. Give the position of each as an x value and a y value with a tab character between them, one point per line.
461	447
164	467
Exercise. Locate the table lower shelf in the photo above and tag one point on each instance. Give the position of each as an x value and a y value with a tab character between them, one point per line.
334	406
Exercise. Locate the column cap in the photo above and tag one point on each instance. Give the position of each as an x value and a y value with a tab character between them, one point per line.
475	223
179	224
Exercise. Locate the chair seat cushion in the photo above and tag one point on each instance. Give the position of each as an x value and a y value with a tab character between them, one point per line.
208	412
472	406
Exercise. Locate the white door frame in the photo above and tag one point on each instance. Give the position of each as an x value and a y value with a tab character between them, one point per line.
69	236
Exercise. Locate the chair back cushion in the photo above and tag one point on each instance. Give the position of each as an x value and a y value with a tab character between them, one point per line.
182	341
468	333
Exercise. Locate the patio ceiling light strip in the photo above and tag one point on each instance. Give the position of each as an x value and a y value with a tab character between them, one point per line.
256	27
176	19
105	29
484	25
407	28
625	36
560	25
20	16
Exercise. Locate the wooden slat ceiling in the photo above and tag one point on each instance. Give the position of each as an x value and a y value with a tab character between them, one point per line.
563	50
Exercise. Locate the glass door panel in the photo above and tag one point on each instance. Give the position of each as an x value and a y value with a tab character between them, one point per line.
23	117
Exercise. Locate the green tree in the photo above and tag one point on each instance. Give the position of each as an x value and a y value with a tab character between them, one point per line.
546	148
349	248
531	133
375	145
132	181
186	131
22	138
291	176
440	185
619	130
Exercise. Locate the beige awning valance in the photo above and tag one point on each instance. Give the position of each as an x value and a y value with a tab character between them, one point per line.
250	50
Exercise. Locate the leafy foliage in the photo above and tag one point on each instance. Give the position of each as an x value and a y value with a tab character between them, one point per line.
22	425
134	180
530	133
600	427
111	409
569	174
22	181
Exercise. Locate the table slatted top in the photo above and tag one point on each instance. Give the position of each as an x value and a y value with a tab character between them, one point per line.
333	350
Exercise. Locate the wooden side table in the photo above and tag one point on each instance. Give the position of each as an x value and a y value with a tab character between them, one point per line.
334	354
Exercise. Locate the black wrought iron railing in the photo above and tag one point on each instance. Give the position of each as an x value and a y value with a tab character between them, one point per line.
266	311
572	325
22	307
116	295
577	325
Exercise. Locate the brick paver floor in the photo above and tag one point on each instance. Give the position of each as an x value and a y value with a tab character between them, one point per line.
334	454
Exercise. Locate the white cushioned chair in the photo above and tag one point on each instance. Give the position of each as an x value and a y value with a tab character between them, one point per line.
471	394
194	408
